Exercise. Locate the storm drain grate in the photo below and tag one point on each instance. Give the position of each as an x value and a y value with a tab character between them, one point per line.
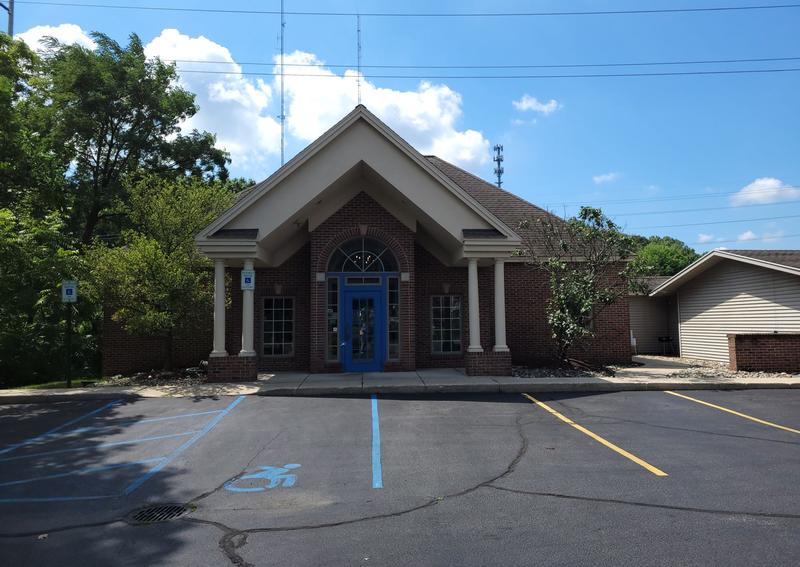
158	513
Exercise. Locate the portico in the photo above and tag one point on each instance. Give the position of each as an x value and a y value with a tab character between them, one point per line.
355	208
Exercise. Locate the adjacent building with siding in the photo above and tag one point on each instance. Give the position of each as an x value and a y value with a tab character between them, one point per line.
725	296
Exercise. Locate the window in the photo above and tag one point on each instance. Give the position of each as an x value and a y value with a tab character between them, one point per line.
446	324
393	307
332	352
362	254
278	326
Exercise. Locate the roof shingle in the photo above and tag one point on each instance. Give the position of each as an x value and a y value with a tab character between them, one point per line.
507	207
789	258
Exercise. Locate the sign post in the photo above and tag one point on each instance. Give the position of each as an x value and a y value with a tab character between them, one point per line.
69	295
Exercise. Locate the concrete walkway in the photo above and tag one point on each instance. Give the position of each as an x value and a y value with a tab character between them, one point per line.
655	375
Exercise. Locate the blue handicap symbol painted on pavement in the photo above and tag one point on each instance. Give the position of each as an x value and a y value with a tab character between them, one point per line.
275	477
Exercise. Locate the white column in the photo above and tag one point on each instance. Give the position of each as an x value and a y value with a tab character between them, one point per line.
247	318
474	308
219	309
499	306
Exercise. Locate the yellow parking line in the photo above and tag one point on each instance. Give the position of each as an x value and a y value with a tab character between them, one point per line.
744	415
655	470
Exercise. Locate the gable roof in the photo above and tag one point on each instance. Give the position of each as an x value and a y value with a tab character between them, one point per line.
504	205
789	258
787	261
249	196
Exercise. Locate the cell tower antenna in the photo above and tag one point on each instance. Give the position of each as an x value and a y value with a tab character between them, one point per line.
283	111
498	157
358	42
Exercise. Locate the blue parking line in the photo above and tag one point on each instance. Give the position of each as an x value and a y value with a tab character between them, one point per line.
377	470
59	428
100	446
188	443
88	470
81	430
53	499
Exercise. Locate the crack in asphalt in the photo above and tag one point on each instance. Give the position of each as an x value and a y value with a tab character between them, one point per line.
229	545
220	486
62	528
646	504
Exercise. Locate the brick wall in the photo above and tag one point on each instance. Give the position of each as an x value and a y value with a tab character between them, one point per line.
124	353
347	223
777	352
528	333
232	368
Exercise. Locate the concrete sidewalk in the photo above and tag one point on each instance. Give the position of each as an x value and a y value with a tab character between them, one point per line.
436	381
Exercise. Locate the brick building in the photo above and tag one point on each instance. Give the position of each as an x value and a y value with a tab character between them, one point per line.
361	254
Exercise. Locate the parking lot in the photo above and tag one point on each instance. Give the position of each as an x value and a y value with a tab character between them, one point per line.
645	478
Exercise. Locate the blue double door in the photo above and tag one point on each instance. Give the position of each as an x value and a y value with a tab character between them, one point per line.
365	328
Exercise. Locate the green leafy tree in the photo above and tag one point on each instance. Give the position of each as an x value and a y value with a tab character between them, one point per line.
34	258
26	164
107	113
156	283
664	256
586	259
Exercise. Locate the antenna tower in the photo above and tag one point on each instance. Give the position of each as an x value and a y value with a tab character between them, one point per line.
283	111
358	42
498	158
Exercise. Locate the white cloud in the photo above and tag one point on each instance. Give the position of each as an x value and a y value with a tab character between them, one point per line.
425	117
606	177
747	235
703	238
765	190
65	33
230	105
528	102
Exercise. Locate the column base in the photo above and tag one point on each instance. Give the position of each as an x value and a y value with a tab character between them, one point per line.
218	353
501	349
475	349
232	369
247	353
492	363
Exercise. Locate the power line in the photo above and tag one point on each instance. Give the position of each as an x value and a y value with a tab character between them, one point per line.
676	197
543	66
703	209
764	239
486	77
713	222
645	11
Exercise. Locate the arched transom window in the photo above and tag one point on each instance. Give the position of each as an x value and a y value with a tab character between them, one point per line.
362	254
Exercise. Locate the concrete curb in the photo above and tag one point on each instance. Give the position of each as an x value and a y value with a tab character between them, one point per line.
265	389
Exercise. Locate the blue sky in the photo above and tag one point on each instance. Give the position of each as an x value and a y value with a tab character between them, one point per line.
639	147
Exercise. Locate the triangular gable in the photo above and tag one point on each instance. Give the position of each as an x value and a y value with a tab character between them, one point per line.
481	217
711	259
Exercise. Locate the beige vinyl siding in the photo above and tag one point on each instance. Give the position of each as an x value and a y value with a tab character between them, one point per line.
649	320
734	297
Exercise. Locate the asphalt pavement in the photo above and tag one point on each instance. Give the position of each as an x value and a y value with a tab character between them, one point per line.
642	478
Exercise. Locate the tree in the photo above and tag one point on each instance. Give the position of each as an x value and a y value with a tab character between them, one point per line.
156	283
664	256
26	163
586	259
107	113
34	258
